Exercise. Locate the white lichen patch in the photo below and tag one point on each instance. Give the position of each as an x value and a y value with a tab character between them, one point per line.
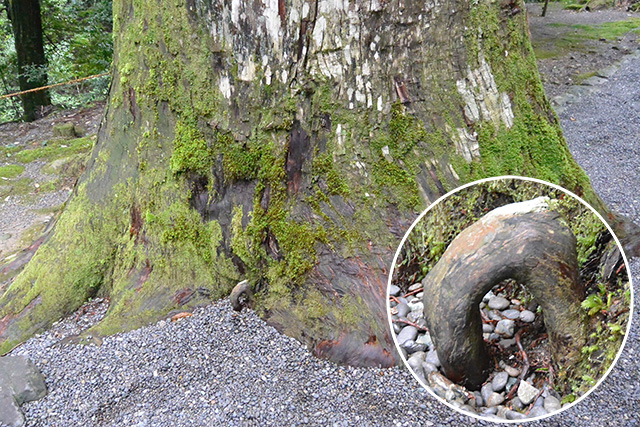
482	99
247	70
466	142
225	87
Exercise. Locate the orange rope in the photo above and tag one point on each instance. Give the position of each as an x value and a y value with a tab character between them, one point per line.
54	85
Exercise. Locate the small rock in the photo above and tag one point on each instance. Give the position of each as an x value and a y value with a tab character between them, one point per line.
468	408
513	372
65	130
511	314
552	404
403	309
494	399
527	316
537	411
4	237
478	399
487	328
10	414
407	333
514	415
416	359
486	391
429	367
415	287
414	316
516	403
508	342
416	307
527	392
512	381
394	290
488	296
506	328
500	381
411	346
498	303
425	339
432	357
495	315
490	411
436	379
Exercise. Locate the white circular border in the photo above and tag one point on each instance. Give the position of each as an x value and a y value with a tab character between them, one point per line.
557	187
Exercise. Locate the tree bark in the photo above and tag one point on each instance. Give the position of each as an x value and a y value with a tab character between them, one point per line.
535	249
290	143
27	31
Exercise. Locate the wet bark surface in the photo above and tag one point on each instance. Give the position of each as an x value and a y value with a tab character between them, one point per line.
537	251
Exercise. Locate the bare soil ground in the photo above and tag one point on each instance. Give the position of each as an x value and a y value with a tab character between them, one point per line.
573	46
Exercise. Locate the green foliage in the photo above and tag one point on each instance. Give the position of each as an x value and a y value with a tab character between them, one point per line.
78	43
594	304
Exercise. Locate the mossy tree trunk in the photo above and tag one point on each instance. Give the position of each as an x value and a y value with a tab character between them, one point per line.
291	143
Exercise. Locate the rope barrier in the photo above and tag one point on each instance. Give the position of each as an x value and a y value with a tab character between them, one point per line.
53	85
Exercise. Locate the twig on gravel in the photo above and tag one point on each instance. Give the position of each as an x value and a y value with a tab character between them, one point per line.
525	366
525	358
392	298
407	322
415	291
534	401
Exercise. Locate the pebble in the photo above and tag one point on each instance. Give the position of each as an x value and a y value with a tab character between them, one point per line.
416	360
494	399
527	316
407	333
403	309
537	411
487	328
394	290
499	381
425	339
411	346
513	372
415	287
432	357
498	303
552	404
516	403
506	328
514	415
527	392
429	367
508	342
511	314
486	391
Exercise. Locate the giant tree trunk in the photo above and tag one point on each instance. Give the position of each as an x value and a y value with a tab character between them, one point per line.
291	143
27	30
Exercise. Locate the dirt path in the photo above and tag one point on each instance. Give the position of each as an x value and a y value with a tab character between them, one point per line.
38	168
573	46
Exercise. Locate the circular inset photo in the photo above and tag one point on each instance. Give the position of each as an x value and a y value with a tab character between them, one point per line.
509	299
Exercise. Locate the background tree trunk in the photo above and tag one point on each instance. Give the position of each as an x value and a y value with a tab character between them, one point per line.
27	31
291	143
